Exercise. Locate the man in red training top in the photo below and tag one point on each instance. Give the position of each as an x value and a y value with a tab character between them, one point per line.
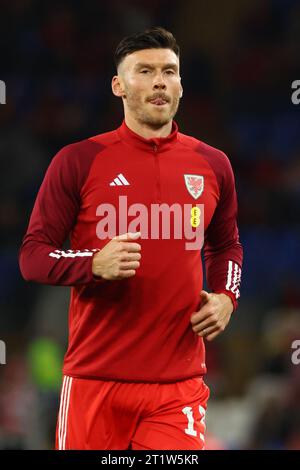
138	204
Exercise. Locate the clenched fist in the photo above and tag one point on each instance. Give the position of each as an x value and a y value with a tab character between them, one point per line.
213	316
119	259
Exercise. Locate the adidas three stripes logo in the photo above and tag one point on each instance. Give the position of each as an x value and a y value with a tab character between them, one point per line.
120	180
233	278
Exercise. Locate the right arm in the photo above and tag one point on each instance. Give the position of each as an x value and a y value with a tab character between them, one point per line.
41	257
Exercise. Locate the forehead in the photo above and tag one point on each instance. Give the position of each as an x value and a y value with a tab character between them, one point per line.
153	57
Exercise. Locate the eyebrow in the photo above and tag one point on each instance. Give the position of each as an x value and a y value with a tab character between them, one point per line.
141	65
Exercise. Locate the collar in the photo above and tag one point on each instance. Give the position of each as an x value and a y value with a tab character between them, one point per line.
136	140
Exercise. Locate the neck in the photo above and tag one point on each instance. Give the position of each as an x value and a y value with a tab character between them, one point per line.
147	131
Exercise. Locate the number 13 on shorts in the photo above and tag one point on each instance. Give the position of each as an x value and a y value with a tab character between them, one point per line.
190	430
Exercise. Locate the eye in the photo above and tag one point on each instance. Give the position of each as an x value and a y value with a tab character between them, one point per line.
170	72
145	71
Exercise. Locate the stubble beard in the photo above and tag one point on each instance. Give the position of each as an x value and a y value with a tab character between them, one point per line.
154	120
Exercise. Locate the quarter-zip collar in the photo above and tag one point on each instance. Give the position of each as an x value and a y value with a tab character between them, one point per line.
159	143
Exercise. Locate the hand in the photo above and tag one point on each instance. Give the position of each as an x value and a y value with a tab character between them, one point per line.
119	259
213	316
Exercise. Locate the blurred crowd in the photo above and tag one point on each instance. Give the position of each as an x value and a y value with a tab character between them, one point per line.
238	61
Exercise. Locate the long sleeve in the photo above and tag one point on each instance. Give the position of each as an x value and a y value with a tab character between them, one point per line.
223	253
41	257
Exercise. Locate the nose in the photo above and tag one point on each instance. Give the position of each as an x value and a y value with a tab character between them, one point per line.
159	83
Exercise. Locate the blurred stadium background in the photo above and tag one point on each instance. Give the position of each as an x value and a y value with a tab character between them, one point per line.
238	60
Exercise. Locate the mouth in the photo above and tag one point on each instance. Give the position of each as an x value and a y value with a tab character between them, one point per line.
159	102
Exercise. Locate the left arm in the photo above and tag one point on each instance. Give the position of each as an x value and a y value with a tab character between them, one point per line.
223	255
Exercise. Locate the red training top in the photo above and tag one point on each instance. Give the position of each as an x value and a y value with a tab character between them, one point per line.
136	329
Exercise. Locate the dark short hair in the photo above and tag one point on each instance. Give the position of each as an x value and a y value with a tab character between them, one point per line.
152	38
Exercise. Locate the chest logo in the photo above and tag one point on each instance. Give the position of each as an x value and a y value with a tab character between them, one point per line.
120	180
194	185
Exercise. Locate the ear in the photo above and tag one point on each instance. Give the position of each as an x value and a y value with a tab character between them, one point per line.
181	89
117	87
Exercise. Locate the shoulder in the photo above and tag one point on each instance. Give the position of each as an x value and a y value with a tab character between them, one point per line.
81	154
216	158
89	145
